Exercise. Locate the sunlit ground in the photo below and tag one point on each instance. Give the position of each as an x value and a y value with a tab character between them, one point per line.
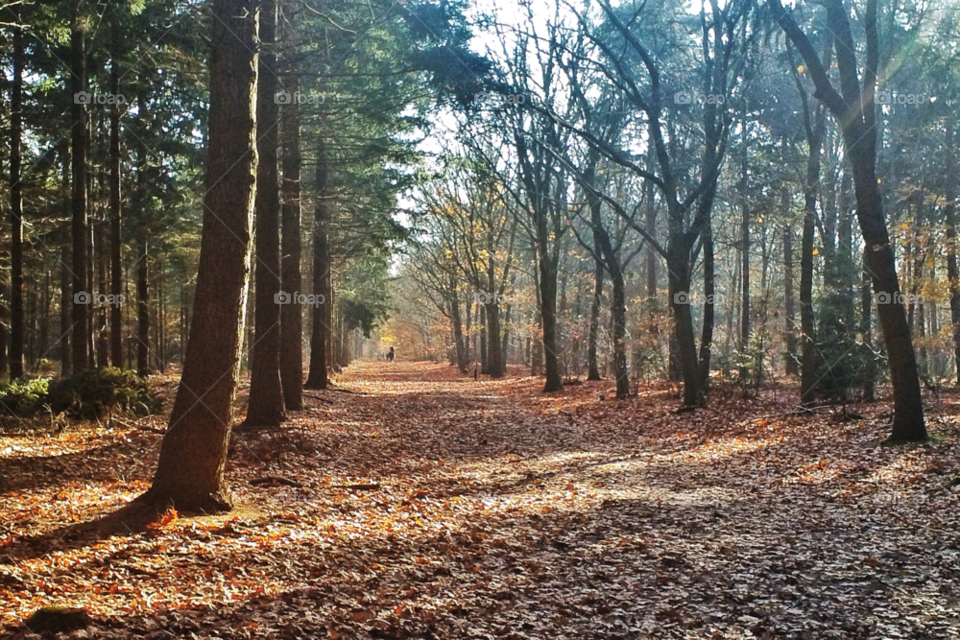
430	505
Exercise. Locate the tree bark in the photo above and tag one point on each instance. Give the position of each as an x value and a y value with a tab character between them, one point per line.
505	342
66	365
190	472
854	110
808	365
143	313
536	359
709	302
161	322
789	304
101	322
140	199
321	330
868	381
15	352
455	319
678	263
593	371
650	224
291	315
744	255
79	200
116	203
484	332
494	340
266	407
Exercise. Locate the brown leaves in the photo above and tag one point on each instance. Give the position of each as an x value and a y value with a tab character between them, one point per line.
419	506
169	516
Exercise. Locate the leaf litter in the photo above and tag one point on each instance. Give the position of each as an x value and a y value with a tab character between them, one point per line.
425	504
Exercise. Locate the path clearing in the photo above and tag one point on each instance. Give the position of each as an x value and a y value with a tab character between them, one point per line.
424	504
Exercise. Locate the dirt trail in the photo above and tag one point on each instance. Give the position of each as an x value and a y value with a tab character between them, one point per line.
415	502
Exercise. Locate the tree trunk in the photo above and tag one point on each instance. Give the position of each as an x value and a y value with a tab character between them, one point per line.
494	340
143	312
868	380
678	267
462	356
618	306
4	337
266	408
808	366
15	353
674	373
744	266
102	312
593	371
789	304
618	318
65	318
291	320
548	315
847	273
89	288
190	472
116	203
709	295
321	331
81	297
650	223
908	424
139	200
536	360
858	125
484	331
505	343
494	336
44	347
161	322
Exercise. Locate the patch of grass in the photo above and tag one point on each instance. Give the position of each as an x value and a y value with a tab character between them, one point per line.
932	438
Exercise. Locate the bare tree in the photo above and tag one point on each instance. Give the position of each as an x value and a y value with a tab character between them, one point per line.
853	107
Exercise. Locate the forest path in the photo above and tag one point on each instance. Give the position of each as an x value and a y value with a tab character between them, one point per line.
416	502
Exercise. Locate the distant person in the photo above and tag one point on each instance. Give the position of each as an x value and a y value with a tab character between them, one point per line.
391	355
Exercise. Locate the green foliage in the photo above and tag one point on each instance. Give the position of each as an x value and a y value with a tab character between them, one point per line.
752	359
839	360
363	296
93	393
88	394
22	397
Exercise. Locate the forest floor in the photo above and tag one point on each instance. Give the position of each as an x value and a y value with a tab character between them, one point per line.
415	502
